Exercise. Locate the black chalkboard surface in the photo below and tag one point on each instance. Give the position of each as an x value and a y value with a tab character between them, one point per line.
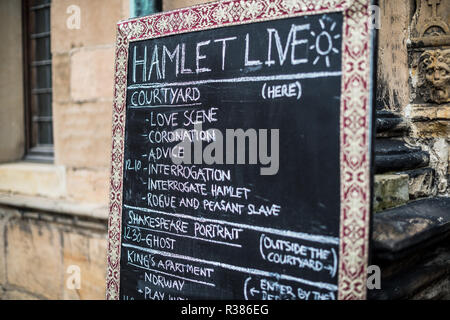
264	219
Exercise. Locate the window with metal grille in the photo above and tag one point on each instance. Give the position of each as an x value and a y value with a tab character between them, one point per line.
38	80
139	8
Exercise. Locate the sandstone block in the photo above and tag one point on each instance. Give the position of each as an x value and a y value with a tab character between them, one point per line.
92	74
83	134
430	112
431	129
98	21
390	190
61	77
88	255
91	186
33	257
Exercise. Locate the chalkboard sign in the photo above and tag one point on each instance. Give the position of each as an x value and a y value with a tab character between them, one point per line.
241	152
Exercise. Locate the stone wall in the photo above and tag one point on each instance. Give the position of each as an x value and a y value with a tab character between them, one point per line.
429	84
12	134
413	82
83	77
392	66
38	250
54	215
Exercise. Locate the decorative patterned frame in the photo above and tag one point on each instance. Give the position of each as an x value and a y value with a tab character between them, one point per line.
355	116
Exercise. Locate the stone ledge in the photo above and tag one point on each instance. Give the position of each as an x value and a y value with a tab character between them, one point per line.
395	154
411	245
54	206
417	223
421	42
47	180
425	279
430	121
429	112
389	124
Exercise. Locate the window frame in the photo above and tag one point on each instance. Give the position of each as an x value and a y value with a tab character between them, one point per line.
39	152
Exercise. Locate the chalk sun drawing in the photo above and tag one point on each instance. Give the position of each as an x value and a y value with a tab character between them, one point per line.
325	36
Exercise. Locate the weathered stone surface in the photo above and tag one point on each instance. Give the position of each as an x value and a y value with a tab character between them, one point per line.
436	291
92	74
395	155
92	226
88	253
443	112
97	27
83	134
18	295
5	213
417	222
429	112
439	152
88	185
431	129
389	124
390	190
392	66
433	85
431	19
421	182
33	257
429	61
426	278
448	166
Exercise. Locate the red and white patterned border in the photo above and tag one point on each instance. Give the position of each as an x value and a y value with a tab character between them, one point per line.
354	123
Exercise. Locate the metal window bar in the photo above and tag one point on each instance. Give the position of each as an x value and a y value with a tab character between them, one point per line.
41	63
40	6
40	35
